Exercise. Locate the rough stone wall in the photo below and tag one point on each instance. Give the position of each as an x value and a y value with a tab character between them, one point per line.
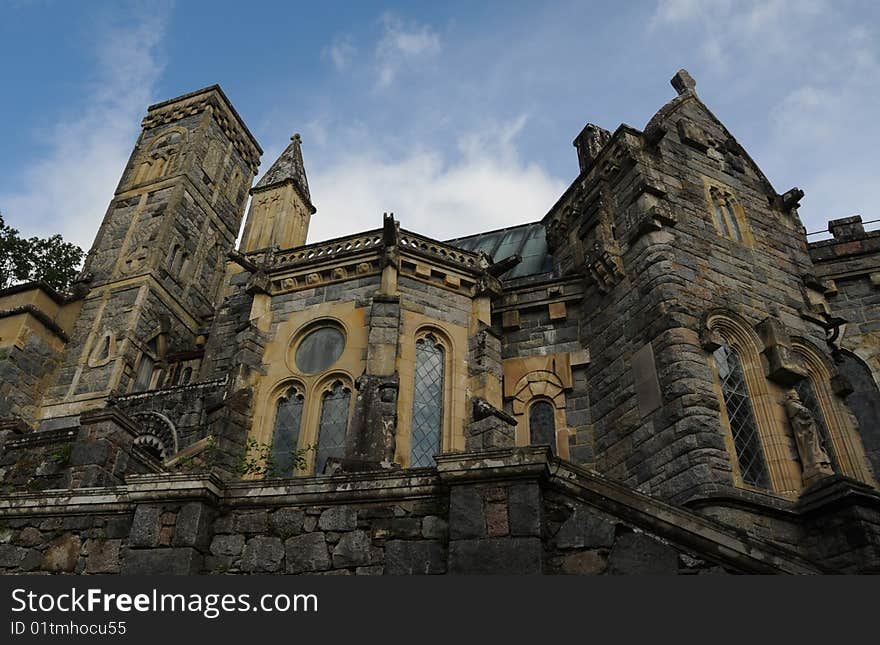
26	367
640	222
848	265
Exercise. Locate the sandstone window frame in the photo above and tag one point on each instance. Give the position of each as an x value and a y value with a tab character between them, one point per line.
432	339
849	453
320	393
298	389
403	449
727	215
535	386
771	423
532	406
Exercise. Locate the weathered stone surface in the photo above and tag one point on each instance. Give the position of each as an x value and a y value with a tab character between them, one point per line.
62	554
407	557
434	528
287	522
102	555
262	555
466	516
583	563
180	561
585	529
306	552
352	550
250	521
30	536
145	526
510	555
191	526
639	554
338	518
524	509
228	545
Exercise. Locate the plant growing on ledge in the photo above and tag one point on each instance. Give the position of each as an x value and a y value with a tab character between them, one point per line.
50	260
259	461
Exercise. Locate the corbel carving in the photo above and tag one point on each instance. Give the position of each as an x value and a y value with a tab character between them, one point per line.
782	367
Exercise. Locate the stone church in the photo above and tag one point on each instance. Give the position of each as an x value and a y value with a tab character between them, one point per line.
658	375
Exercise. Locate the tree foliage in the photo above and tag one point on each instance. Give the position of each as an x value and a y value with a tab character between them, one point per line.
50	259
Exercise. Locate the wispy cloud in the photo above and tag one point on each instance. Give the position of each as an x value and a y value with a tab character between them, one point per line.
341	51
401	46
488	186
66	190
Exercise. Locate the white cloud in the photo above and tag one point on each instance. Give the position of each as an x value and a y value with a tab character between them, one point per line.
488	186
67	190
340	52
402	46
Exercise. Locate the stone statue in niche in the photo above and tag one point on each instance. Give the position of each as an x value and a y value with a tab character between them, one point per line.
814	459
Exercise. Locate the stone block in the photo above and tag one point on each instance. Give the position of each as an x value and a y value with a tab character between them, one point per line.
191	527
352	550
62	554
640	554
524	510
145	526
585	529
496	556
338	518
287	522
409	557
262	555
306	553
466	516
434	527
250	522
227	545
102	556
180	561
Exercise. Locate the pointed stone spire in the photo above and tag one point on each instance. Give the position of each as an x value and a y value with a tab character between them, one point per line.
281	205
288	167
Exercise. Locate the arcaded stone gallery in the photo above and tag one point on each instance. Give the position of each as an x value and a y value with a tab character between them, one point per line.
658	375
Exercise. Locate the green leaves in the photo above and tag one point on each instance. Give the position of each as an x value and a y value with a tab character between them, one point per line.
51	259
258	460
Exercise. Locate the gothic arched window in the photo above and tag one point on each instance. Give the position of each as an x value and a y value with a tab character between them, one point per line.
724	214
285	436
333	424
741	417
428	395
542	425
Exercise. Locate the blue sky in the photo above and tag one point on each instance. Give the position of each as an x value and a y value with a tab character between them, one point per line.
456	116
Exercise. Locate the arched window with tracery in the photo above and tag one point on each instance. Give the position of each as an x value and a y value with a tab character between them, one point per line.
740	416
428	397
285	435
542	425
333	425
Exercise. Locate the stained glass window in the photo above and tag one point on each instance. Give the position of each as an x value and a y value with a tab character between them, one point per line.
427	416
333	425
741	416
288	418
542	425
808	397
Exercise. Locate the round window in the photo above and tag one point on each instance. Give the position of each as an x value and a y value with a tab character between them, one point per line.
319	350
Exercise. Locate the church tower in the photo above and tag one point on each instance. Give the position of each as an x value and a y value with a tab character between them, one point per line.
281	205
156	265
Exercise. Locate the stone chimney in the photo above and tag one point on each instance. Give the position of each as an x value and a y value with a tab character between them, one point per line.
848	228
